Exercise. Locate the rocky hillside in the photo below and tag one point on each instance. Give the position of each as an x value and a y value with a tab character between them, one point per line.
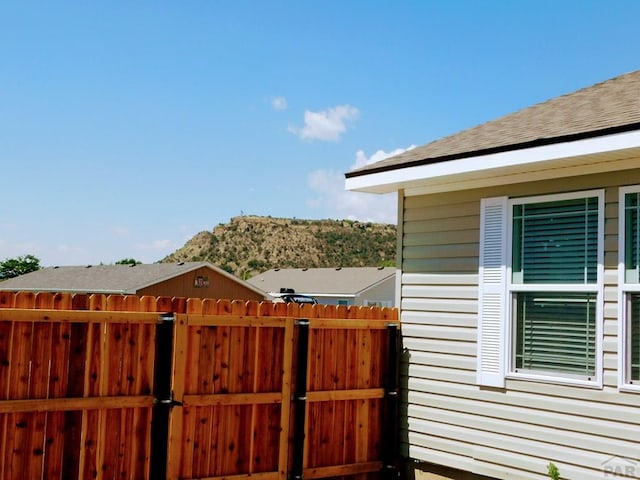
249	245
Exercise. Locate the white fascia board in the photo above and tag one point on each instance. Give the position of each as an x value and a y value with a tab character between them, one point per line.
392	180
333	295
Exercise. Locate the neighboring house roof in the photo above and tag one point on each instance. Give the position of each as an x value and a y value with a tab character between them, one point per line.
122	279
347	281
605	109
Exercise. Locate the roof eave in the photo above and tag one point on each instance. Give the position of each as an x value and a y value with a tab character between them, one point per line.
594	154
193	266
88	291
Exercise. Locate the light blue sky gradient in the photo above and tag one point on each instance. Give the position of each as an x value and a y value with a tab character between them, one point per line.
128	127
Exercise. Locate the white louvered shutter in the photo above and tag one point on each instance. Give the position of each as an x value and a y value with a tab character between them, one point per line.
492	291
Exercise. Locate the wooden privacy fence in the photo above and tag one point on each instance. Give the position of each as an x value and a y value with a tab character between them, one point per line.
126	387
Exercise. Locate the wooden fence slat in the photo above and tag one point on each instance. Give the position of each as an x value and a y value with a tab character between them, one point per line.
105	372
39	367
285	412
89	466
109	446
205	366
178	383
216	440
205	441
34	450
6	347
253	360
7	299
184	444
4	434
53	445
20	356
59	359
71	456
142	451
16	440
266	430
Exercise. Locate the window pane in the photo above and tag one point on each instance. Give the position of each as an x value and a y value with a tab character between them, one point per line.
556	242
632	237
556	332
634	338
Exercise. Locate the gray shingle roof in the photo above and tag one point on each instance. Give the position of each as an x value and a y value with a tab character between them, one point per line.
123	279
319	281
608	107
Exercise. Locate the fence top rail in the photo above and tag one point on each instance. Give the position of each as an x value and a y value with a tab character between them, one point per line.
147	308
257	321
76	316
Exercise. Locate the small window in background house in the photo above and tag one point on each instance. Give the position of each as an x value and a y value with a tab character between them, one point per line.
201	281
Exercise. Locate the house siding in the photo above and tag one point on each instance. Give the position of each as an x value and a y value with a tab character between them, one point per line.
219	286
503	433
382	292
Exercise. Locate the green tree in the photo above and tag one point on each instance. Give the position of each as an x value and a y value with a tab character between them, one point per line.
128	261
13	267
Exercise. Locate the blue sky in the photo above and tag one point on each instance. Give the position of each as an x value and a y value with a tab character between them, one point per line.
128	127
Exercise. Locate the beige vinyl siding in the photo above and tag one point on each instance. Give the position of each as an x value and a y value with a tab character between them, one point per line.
513	432
383	292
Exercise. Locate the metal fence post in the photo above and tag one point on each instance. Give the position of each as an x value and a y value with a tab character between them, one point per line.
300	399
162	372
390	436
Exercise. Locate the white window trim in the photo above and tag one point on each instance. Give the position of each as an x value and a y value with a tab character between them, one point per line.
623	289
597	288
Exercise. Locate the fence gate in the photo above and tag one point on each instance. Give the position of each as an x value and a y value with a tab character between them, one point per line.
259	391
231	390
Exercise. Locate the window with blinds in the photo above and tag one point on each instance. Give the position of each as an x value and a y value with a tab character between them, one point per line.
556	242
554	286
630	323
556	332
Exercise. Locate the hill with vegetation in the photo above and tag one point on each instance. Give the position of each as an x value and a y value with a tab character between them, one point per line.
249	245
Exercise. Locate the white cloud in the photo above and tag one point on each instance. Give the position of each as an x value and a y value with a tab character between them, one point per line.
336	202
326	125
121	231
67	249
279	103
18	249
156	246
362	160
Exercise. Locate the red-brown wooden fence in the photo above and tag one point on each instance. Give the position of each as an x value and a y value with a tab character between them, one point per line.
82	396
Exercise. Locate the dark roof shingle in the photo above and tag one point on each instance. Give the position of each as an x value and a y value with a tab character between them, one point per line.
607	107
315	281
125	279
